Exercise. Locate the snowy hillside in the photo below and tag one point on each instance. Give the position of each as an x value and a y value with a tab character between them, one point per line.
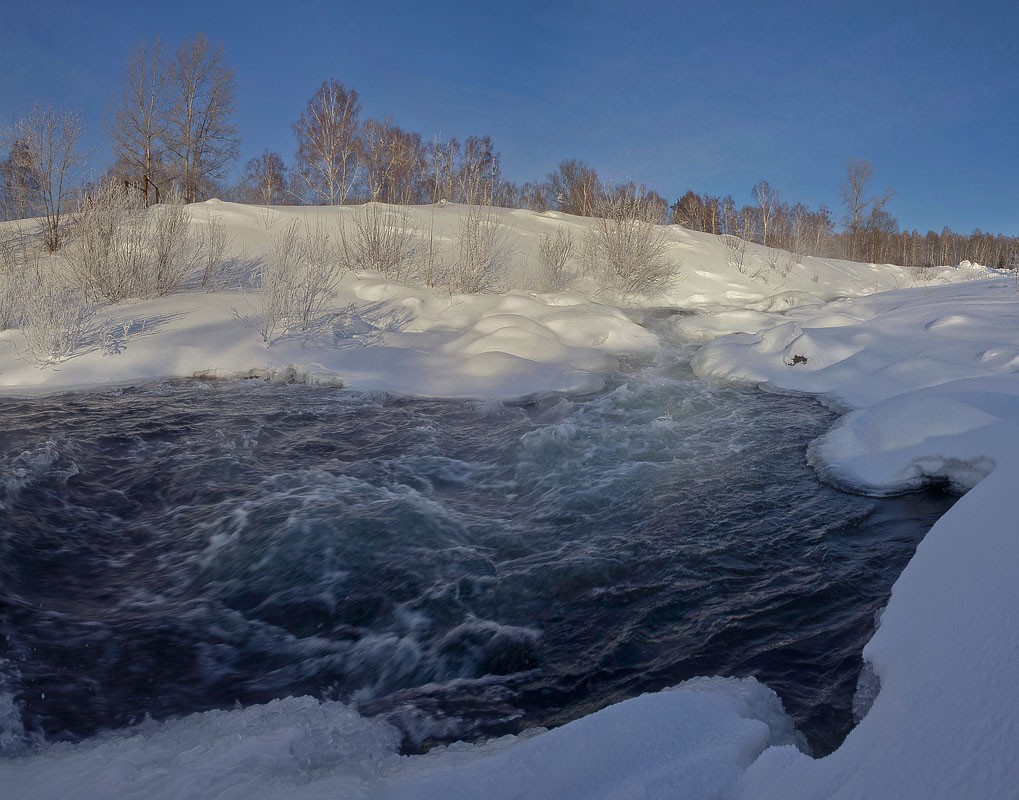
431	342
924	370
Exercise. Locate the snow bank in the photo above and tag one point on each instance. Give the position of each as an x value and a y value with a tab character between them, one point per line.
865	350
690	742
429	343
415	342
930	376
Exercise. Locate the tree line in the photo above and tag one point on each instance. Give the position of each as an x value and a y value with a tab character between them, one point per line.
170	127
869	232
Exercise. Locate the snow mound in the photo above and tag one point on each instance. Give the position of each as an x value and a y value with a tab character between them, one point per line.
928	377
941	435
693	741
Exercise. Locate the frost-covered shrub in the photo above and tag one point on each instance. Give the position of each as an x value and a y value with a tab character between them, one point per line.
428	259
56	315
382	240
176	252
481	251
296	283
212	245
554	253
627	246
13	258
120	249
924	273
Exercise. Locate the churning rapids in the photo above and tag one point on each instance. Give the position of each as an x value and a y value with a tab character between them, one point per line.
464	569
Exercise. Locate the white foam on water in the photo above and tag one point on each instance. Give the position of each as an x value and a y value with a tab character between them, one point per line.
13	739
46	461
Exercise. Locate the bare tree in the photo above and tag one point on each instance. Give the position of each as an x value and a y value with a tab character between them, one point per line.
533	196
138	121
853	193
265	179
860	209
688	211
19	191
48	153
443	158
767	205
327	143
203	138
573	185
478	176
394	163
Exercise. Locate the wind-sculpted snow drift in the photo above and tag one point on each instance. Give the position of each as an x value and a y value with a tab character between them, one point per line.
928	378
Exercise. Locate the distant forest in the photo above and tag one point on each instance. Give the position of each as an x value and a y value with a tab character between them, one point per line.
170	128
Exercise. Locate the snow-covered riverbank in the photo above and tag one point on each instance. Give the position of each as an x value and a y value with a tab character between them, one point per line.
514	341
928	378
931	376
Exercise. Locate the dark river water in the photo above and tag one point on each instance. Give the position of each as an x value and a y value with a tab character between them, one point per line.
464	569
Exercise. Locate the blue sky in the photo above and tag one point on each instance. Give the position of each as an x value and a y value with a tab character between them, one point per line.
712	97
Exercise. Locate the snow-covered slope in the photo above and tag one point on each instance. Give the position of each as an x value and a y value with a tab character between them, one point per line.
928	377
429	342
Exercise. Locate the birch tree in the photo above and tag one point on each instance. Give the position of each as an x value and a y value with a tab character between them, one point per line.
443	158
265	179
862	213
767	204
138	121
203	138
478	175
327	143
48	153
393	161
19	191
573	185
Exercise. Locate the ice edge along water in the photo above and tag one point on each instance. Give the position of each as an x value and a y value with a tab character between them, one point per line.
928	376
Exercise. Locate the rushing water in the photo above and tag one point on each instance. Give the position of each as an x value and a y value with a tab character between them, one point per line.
463	568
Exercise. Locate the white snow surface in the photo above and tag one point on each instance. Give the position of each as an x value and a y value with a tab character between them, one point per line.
428	342
926	376
301	748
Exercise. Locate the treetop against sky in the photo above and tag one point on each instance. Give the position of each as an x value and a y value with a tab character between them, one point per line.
708	97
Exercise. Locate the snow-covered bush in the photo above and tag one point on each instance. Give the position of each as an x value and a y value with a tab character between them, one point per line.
213	243
55	314
296	283
735	252
120	249
627	247
482	250
554	253
12	267
176	251
924	273
428	260
382	240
